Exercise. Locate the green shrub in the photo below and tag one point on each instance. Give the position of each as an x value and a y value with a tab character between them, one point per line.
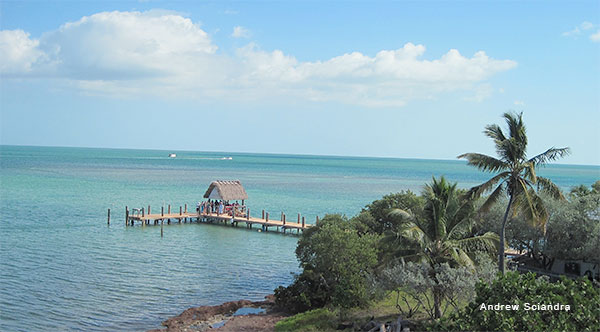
336	261
580	297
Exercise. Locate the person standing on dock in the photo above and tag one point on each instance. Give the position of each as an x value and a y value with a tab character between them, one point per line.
221	206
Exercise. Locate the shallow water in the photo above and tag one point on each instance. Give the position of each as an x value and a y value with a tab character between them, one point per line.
62	267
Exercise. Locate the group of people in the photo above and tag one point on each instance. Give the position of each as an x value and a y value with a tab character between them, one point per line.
218	206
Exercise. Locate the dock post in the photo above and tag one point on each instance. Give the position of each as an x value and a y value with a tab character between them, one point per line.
248	214
302	222
143	212
169	209
180	210
148	209
185	211
108	222
162	211
284	218
263	214
298	218
161	227
126	216
267	216
317	220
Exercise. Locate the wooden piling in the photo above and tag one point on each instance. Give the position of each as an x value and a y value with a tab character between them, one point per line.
267	216
148	209
185	211
317	220
162	211
169	209
180	210
302	221
298	218
161	228
263	214
108	222
248	215
283	219
126	216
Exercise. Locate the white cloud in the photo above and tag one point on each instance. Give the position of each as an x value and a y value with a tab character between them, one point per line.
519	103
586	25
595	37
18	53
161	53
580	29
240	32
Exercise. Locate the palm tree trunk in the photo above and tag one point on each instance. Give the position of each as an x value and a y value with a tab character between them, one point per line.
437	303
501	266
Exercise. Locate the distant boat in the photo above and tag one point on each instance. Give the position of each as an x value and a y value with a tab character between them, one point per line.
172	155
226	158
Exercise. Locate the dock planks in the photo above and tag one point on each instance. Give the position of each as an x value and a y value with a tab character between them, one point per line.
265	223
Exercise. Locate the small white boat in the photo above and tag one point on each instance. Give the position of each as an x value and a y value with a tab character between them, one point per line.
226	158
172	155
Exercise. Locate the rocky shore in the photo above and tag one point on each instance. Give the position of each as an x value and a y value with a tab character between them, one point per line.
221	318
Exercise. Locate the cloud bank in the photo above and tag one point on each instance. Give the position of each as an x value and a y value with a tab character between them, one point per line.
158	53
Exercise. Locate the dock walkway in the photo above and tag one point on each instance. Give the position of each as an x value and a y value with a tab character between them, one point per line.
139	215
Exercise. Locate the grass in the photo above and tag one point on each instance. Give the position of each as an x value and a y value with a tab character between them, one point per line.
328	319
311	321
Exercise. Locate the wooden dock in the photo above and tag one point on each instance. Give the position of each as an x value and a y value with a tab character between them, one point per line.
265	222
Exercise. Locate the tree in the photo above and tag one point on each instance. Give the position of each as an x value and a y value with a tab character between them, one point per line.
380	210
516	175
336	261
441	235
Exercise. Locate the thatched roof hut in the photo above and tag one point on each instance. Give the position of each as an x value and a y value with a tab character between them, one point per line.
226	190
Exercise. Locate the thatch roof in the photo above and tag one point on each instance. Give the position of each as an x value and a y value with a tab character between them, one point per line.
226	190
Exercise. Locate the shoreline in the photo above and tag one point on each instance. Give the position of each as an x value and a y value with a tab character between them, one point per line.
221	317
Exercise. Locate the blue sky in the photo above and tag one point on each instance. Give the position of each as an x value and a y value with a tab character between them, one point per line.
406	79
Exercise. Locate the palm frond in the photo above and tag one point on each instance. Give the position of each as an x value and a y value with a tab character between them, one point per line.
550	155
548	187
488	242
531	206
479	190
494	132
400	214
460	228
516	128
413	233
529	168
492	198
484	162
460	257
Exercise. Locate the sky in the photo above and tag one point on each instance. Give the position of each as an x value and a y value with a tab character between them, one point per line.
402	79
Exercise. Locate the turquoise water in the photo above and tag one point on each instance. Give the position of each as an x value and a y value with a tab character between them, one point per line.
62	268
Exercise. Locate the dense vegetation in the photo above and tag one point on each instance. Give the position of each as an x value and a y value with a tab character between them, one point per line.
427	252
580	310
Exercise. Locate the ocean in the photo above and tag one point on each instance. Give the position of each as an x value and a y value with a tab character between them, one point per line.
62	268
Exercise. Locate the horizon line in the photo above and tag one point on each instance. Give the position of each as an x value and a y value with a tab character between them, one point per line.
267	153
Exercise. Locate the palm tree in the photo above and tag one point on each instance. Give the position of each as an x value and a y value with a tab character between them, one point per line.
442	234
516	175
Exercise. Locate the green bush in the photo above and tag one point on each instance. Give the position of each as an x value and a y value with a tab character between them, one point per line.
380	209
580	296
336	260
